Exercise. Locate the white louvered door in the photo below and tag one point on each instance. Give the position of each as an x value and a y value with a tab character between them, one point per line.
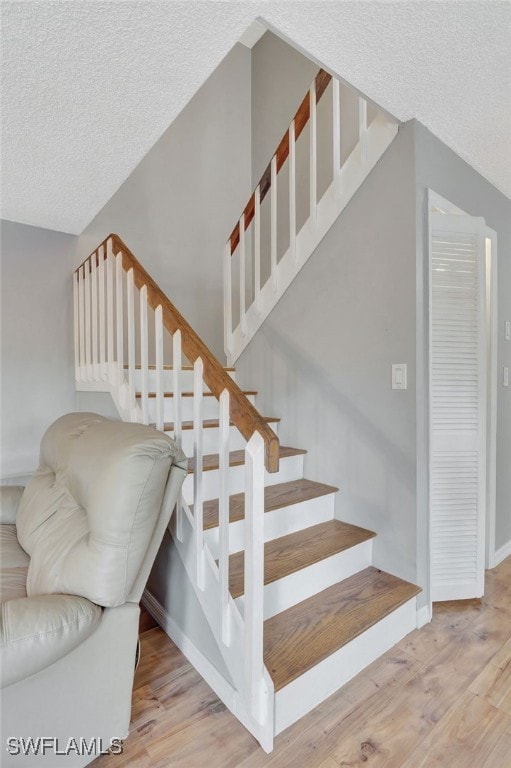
458	371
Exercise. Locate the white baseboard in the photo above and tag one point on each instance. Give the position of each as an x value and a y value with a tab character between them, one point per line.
501	554
423	616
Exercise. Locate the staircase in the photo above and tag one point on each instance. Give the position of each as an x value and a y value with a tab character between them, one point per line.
278	601
287	590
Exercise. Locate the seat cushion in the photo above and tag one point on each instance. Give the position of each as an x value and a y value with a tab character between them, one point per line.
37	631
14	563
88	514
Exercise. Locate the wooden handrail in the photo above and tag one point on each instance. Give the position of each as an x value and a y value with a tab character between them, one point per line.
300	119
242	413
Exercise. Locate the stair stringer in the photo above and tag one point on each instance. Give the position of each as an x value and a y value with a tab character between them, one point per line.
236	698
352	175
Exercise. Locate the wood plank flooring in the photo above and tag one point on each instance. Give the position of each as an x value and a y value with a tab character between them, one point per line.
440	699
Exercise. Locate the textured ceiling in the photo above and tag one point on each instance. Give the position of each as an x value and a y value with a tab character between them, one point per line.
88	86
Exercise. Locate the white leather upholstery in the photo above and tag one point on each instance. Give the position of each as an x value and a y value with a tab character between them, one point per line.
36	631
10	497
13	565
87	516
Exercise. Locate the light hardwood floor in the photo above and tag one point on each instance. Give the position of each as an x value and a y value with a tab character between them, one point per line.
442	697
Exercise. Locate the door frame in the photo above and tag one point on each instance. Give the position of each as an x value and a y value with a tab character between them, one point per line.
437	203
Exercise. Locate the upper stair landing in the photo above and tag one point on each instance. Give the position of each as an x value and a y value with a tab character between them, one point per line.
329	150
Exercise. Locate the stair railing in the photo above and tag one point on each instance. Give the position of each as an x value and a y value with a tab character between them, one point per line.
243	277
114	336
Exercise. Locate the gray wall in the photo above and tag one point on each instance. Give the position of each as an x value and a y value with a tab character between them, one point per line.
37	375
440	169
281	77
177	208
322	360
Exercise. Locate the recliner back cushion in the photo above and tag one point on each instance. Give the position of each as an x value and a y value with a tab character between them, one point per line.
87	515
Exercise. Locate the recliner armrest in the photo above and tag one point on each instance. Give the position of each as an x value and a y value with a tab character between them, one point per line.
37	631
10	496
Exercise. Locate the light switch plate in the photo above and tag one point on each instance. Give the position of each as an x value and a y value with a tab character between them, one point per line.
507	331
505	377
399	376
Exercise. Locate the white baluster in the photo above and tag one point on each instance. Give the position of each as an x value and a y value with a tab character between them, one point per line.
223	513
144	354
292	189
120	322
197	471
177	365
313	186
243	312
257	248
131	339
362	127
101	289
158	344
336	153
110	310
273	223
81	296
88	354
228	299
94	311
254	570
76	324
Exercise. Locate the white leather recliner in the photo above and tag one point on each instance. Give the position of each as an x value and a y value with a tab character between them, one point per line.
76	547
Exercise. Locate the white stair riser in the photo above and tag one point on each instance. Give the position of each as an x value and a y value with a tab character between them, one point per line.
210	438
168	380
315	685
291	468
284	593
210	408
278	522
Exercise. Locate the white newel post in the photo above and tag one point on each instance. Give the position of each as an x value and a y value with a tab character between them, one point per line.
254	573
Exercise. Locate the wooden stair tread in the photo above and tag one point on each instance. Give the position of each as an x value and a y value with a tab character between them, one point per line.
211	423
168	368
187	394
307	633
298	550
236	458
275	497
